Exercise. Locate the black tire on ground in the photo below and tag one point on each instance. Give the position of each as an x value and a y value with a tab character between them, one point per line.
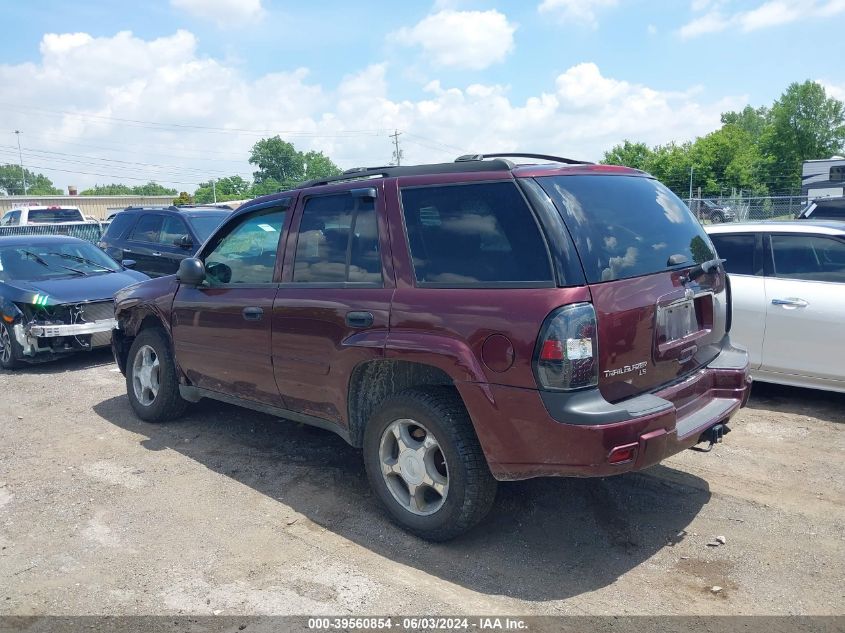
717	218
10	350
167	403
471	487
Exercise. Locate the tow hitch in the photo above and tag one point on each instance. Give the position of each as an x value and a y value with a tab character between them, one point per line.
713	435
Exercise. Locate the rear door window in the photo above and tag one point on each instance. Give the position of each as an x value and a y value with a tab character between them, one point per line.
338	241
738	250
147	229
808	257
474	235
626	226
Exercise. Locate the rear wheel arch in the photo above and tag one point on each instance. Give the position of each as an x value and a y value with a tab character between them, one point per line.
372	382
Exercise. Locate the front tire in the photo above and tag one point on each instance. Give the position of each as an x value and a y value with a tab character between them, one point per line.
10	349
425	464
151	378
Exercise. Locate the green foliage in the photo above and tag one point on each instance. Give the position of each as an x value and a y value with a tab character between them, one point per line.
758	151
280	161
228	188
183	198
117	189
11	183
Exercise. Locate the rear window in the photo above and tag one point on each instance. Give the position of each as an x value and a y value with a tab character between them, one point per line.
738	250
829	211
474	235
54	215
626	226
118	225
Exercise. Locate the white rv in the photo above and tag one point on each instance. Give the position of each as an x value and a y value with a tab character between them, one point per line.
823	178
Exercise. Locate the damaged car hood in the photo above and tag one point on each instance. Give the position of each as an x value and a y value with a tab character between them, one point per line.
76	289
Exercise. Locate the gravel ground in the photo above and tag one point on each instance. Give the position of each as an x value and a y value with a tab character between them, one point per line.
232	512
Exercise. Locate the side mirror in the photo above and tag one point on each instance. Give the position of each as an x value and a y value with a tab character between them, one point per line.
184	242
191	272
129	263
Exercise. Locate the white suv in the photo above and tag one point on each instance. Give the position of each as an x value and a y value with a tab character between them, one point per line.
41	215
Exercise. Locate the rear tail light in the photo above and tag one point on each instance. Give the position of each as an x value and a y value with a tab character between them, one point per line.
567	350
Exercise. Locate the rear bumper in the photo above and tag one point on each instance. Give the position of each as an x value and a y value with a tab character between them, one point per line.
522	438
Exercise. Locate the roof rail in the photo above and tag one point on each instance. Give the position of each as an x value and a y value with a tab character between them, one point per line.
556	159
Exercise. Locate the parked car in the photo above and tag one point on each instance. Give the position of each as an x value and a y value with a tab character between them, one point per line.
824	209
713	211
56	297
158	238
41	215
462	323
788	286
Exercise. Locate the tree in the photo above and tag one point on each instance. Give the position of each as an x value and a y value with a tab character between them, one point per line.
228	188
727	159
636	155
753	121
11	183
116	189
804	124
280	161
183	198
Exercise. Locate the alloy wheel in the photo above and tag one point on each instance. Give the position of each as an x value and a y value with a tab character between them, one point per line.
5	345
414	467
145	375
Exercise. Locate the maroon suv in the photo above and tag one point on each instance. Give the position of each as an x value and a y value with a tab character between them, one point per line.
461	323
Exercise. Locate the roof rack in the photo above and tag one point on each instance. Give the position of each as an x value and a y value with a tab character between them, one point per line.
369	173
556	159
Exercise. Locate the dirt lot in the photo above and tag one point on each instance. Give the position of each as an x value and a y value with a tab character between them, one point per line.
232	512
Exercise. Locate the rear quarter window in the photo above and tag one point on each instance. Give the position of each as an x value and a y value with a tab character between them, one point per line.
118	226
474	235
54	215
626	226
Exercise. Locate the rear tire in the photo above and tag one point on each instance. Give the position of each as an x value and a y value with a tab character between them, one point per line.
717	218
151	378
425	464
10	350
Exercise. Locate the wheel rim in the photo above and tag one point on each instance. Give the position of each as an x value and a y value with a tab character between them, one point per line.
145	375
414	467
5	345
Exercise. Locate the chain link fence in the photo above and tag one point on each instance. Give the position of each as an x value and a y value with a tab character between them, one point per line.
89	231
743	208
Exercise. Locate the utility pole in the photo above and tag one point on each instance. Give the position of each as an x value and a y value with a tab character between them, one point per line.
397	153
214	190
20	157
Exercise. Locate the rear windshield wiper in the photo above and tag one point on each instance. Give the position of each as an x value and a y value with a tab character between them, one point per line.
83	260
704	268
41	261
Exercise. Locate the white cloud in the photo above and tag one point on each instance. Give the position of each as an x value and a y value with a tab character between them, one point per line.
578	11
768	14
167	81
470	40
226	13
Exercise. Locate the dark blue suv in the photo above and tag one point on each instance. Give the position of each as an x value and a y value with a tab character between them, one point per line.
158	238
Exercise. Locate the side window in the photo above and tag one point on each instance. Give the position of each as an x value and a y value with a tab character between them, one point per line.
246	254
147	229
172	229
837	173
12	218
117	227
338	241
808	257
474	235
738	250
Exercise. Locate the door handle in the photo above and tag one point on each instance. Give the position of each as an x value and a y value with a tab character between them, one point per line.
252	314
359	320
790	302
156	254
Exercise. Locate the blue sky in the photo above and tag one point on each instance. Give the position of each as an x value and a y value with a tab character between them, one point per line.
559	76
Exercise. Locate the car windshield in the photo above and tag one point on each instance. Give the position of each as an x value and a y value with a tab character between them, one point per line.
204	223
627	226
47	216
53	260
